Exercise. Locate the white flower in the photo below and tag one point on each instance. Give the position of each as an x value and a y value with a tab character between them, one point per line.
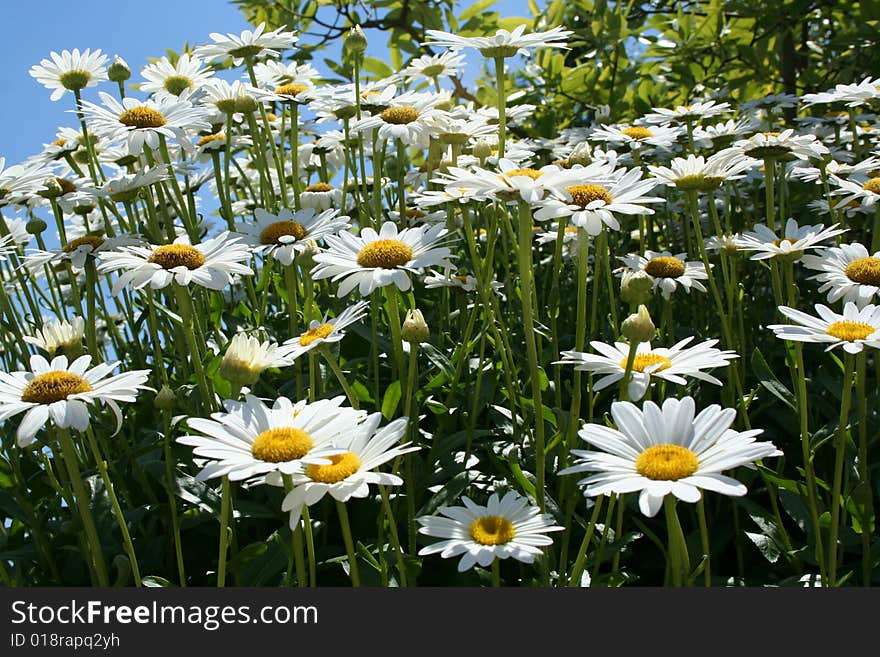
61	392
70	71
326	331
444	65
503	43
847	272
375	260
672	364
246	358
852	330
350	473
248	45
636	136
852	94
590	204
866	193
410	118
250	439
506	527
769	145
666	450
142	122
284	234
795	240
57	335
668	271
186	74
210	263
698	173
684	113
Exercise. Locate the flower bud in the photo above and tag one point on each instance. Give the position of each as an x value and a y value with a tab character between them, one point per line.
355	41
305	259
415	329
118	71
581	154
638	327
635	288
35	226
246	104
165	399
482	149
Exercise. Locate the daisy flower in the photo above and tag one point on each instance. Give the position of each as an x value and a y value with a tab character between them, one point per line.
503	43
666	450
143	122
320	196
284	234
770	145
511	182
70	71
246	358
702	174
847	272
211	263
186	74
685	113
246	46
78	249
364	447
852	94
251	439
505	527
375	260
434	67
866	193
636	136
795	240
21	180
590	205
55	335
326	331
63	392
410	117
852	330
672	364
126	187
668	271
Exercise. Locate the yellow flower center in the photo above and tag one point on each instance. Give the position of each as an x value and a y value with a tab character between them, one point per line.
865	271
92	240
412	213
583	195
209	139
492	530
54	386
177	84
142	117
319	187
400	114
646	360
317	333
664	267
528	173
667	462
281	444
273	232
787	240
290	89
342	466
873	186
637	132
387	254
850	331
59	142
170	256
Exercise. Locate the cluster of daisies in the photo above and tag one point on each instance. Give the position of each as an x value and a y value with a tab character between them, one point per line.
219	234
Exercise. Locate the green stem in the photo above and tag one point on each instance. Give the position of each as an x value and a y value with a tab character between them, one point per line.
679	563
704	542
580	561
349	543
501	103
225	503
840	453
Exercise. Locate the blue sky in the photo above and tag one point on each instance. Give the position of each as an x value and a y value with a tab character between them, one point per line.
134	30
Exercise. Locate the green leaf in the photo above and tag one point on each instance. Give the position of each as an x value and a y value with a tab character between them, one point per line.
477	8
770	382
390	400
